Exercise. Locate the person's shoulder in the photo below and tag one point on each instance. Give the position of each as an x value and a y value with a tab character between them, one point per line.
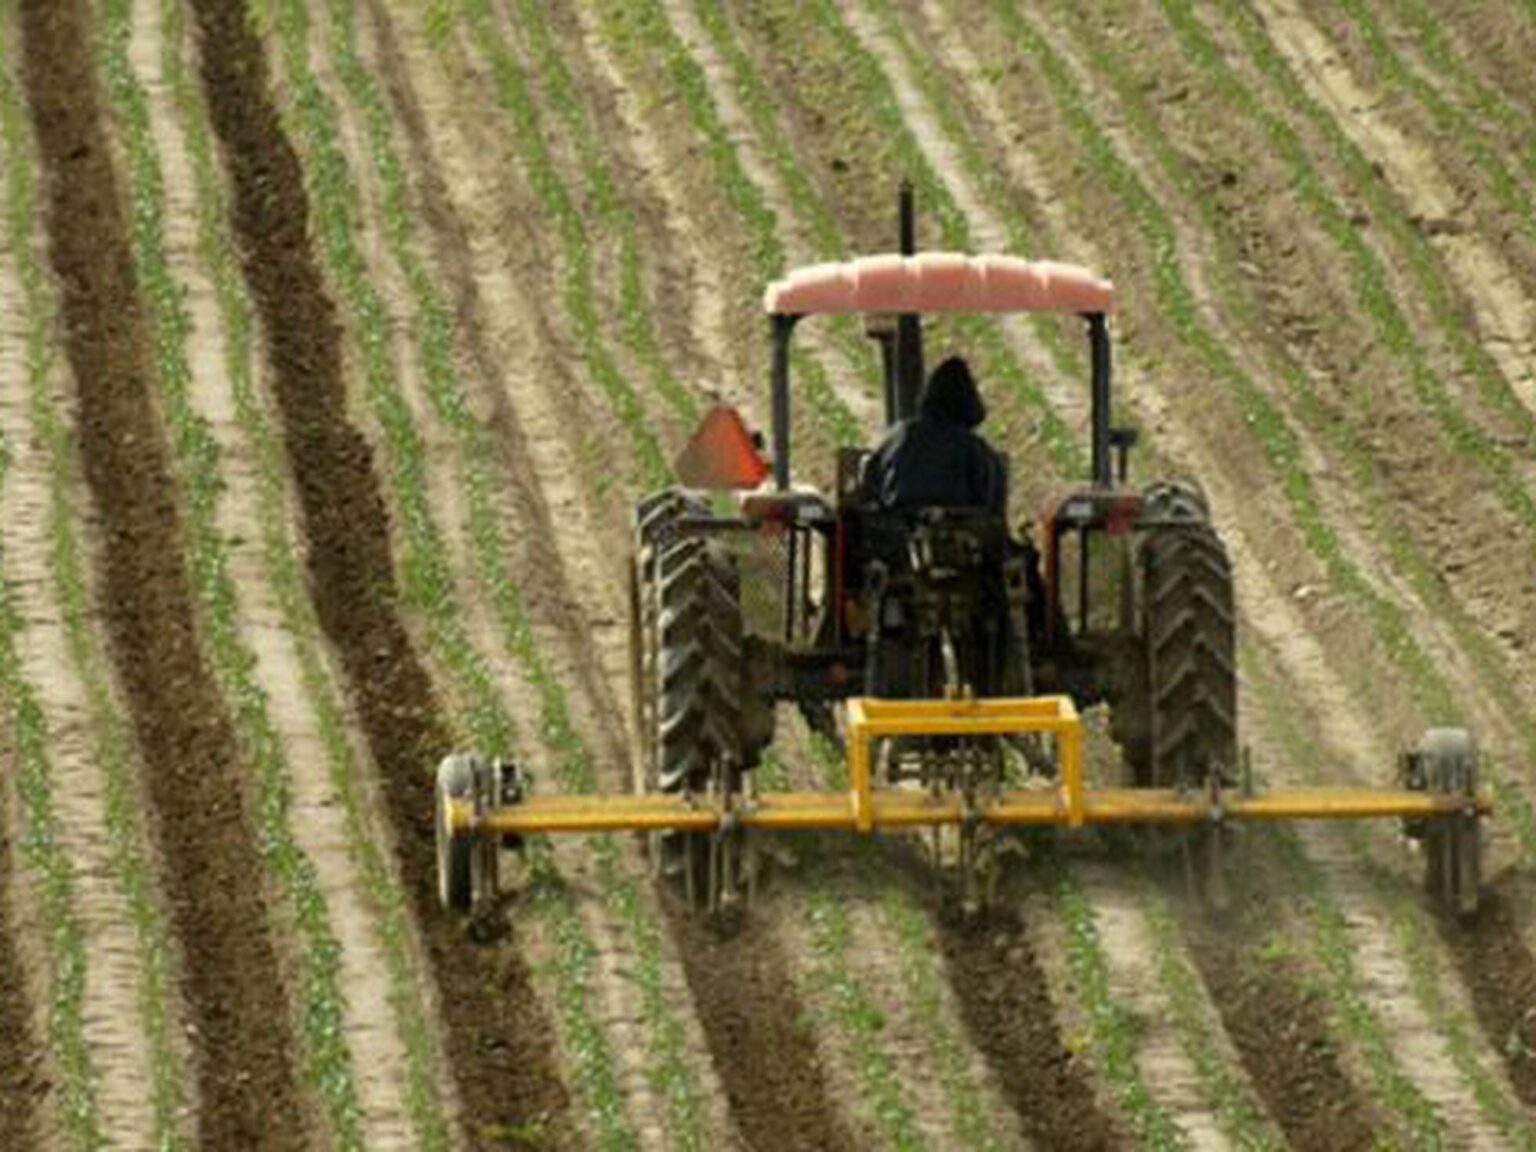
973	436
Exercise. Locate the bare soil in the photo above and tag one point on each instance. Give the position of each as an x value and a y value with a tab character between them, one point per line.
499	1039
1496	965
762	1046
1005	1002
236	1000
1278	1023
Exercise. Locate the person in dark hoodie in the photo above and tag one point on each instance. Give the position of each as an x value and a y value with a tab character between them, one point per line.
937	459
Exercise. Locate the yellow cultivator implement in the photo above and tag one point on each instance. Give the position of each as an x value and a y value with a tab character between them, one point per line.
942	649
484	805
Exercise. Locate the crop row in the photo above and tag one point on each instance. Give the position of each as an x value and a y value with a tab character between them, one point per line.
28	725
328	1060
491	728
279	552
667	1067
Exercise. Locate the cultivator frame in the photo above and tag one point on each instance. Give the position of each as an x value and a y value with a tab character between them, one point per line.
484	805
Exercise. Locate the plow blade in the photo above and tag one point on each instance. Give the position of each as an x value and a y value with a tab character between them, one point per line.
480	804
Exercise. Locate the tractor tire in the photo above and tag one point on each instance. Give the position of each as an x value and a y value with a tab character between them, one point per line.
1182	721
688	659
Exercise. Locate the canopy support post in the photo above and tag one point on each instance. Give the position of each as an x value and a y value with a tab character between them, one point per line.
909	327
783	329
1098	340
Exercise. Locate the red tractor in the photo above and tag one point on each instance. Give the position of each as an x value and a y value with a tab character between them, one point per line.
798	597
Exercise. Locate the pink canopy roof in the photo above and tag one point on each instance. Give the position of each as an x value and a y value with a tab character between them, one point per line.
939	282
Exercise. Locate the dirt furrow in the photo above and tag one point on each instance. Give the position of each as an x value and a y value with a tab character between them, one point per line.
1385	981
1495	961
1005	1000
742	1010
1479	969
1279	1026
236	1000
955	1097
497	1035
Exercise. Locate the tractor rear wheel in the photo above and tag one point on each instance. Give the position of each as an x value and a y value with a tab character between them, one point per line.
1183	726
689	676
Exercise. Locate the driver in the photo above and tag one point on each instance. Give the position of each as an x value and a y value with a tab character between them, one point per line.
937	459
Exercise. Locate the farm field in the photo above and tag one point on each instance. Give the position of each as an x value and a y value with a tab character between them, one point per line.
338	340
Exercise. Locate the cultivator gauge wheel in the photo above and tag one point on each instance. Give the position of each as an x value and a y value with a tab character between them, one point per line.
468	866
1445	761
455	885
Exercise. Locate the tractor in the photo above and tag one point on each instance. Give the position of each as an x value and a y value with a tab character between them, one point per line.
947	653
